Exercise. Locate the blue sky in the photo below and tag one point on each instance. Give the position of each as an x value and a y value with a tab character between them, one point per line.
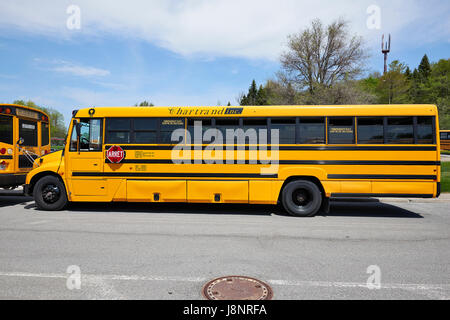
190	52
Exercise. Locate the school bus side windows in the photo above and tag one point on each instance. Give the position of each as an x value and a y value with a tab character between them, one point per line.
167	126
311	130
286	128
341	130
400	130
90	136
370	130
118	130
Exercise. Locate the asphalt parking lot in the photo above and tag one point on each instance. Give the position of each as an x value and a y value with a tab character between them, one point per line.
155	251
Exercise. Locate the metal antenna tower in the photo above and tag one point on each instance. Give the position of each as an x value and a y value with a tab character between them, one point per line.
385	49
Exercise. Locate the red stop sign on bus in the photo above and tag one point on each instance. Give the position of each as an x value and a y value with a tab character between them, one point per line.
115	154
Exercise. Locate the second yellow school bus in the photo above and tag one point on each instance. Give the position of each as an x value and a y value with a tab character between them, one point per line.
445	139
31	127
176	154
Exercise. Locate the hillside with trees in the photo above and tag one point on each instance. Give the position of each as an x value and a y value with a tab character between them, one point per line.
325	65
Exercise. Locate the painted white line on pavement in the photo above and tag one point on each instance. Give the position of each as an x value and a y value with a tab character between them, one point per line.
435	291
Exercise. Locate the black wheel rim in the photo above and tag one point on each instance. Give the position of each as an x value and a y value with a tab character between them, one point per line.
302	198
51	193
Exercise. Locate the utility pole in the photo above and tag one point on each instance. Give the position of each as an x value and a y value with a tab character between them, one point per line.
385	49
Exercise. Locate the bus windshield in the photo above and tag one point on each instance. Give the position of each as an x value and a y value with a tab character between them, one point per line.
6	129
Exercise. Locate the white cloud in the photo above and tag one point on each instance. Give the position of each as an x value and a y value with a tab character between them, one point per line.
72	68
252	29
81	71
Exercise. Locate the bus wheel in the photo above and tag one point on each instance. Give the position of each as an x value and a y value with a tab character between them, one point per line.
50	194
301	198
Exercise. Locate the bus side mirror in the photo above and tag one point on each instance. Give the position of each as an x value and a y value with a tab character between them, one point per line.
20	141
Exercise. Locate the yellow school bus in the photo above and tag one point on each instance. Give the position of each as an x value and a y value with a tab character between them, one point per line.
209	155
445	139
24	136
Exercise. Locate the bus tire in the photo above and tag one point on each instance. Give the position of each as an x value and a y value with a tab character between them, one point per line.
50	194
301	198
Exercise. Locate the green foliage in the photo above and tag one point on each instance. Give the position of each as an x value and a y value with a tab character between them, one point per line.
429	83
57	126
393	86
254	97
144	103
445	176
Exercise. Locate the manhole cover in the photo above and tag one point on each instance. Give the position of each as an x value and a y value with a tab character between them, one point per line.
237	288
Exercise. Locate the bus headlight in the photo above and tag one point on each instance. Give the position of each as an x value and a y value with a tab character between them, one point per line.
10	151
3	165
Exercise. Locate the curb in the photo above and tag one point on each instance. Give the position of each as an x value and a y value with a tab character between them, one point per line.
443	198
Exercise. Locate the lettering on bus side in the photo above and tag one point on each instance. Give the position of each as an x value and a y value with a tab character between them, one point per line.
234	110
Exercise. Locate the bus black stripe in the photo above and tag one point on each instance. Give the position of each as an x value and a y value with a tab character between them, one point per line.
298	148
173	174
382	176
297	162
6	157
380	195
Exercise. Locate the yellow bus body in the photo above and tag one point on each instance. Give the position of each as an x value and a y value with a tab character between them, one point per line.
13	163
147	173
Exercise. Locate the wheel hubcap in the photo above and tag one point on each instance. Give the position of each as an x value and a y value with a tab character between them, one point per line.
51	193
301	197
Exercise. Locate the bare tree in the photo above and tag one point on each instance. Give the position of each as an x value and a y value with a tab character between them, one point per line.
321	55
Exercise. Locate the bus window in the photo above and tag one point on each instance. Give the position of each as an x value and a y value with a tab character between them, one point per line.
255	124
443	135
118	130
206	125
223	124
340	130
167	126
400	130
90	136
311	130
6	129
28	131
424	130
370	130
286	129
45	139
145	130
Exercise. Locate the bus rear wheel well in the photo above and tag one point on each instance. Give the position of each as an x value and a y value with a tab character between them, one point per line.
313	179
40	175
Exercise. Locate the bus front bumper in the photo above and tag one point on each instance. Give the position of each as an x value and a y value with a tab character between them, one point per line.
11	180
26	189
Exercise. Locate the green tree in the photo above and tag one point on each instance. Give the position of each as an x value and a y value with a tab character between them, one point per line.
323	55
251	98
424	68
393	86
144	103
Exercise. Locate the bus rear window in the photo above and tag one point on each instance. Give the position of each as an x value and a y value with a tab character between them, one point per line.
6	129
424	130
28	131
